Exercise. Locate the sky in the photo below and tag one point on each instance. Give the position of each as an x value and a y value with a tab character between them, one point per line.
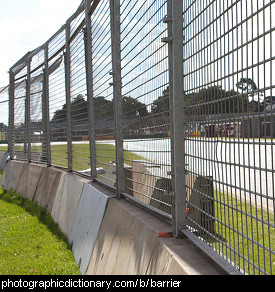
27	24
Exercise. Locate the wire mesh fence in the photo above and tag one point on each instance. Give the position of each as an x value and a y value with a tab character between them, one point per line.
20	145
57	102
103	94
4	109
145	109
229	85
170	103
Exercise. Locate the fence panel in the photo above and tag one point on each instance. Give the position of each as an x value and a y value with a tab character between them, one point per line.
36	131
103	94
20	130
228	86
57	100
4	109
79	106
145	93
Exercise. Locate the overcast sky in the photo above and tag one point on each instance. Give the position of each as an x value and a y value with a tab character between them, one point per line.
26	24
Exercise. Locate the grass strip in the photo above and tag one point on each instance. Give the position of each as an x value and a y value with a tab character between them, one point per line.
31	243
81	153
248	231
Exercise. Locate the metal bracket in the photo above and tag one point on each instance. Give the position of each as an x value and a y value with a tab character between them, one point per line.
167	19
167	40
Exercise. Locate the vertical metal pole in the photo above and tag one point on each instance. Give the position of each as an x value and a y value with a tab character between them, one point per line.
117	89
178	117
46	113
28	109
44	145
168	40
11	116
68	96
89	82
26	118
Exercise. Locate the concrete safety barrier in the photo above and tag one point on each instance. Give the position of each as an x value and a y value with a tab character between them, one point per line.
47	187
3	159
109	236
129	244
12	174
124	245
66	201
86	225
29	179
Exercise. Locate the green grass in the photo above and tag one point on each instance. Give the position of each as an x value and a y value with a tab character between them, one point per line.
256	234
81	153
30	242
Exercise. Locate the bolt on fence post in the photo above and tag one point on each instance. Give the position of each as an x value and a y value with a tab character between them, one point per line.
89	82
11	116
67	58
46	145
117	90
178	117
28	109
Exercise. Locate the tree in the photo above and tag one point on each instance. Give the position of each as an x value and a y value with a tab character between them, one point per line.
131	107
161	105
213	100
103	108
246	84
60	114
251	94
78	107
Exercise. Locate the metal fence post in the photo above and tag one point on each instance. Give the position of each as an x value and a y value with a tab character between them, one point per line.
168	40
11	116
178	117
89	82
45	104
117	89
28	109
67	59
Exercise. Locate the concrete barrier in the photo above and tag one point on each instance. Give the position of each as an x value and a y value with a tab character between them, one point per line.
1	155
3	159
87	221
12	174
151	184
29	180
124	246
128	244
108	236
66	201
173	256
47	186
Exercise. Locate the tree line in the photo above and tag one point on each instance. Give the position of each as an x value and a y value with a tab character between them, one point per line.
207	101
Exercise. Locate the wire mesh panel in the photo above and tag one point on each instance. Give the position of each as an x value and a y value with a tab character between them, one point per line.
36	131
103	93
20	129
4	109
229	88
57	101
79	106
146	102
